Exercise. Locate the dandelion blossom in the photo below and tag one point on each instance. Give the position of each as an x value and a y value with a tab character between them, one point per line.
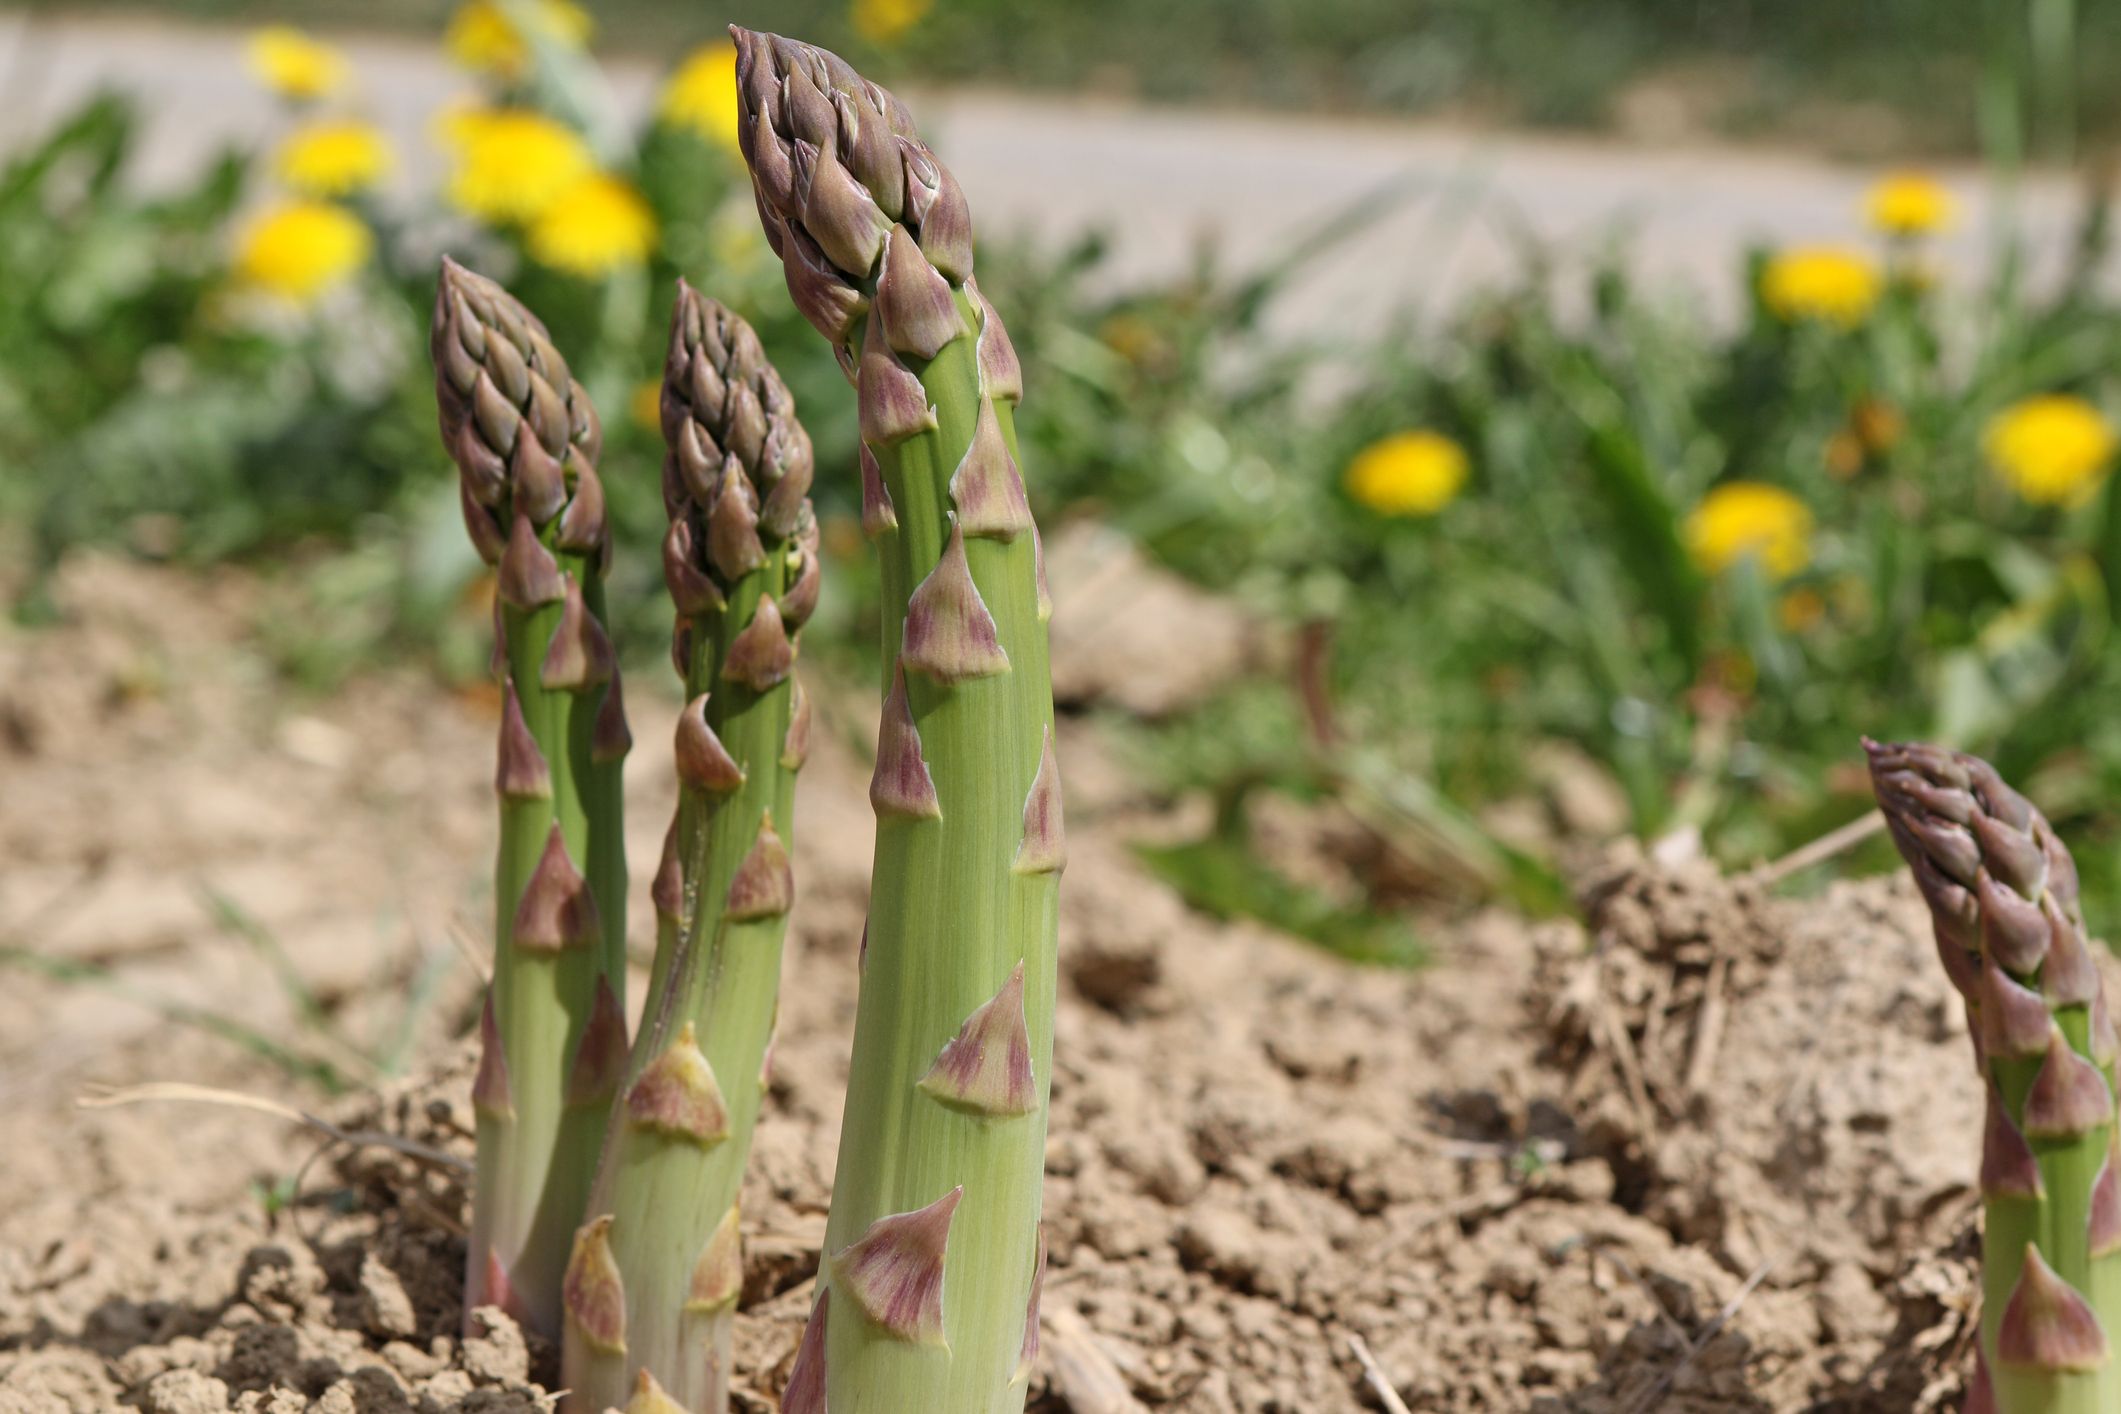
2052	449
1825	283
300	250
886	22
1414	473
511	163
1750	520
701	95
598	225
336	158
293	65
483	37
1907	204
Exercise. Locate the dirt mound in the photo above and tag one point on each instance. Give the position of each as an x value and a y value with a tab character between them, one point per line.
1711	1151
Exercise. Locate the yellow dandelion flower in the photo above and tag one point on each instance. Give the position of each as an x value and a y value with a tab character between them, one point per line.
293	65
1747	519
335	158
483	37
1909	204
1414	473
2052	450
597	225
1826	283
886	22
701	94
511	163
300	250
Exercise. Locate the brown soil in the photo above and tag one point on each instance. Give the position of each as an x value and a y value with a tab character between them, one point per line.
1711	1152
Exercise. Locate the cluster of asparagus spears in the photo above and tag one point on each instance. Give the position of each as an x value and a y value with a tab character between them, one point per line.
606	1211
2002	895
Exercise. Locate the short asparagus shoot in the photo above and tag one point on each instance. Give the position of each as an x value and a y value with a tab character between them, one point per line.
927	1300
525	440
2002	895
657	1268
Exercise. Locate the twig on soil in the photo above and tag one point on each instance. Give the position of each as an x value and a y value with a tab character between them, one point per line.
1376	1375
1708	1026
1708	1333
1629	1064
1833	842
175	1091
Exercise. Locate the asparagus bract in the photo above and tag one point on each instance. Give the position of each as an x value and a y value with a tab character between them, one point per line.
932	1246
653	1291
525	440
2002	894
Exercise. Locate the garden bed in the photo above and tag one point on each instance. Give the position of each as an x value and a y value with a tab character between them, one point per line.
1712	1150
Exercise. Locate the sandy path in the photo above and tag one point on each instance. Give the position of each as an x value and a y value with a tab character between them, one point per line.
1161	179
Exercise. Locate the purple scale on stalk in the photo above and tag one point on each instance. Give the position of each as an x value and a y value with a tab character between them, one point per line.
718	1274
806	1382
2068	1097
878	514
519	772
900	784
795	746
894	1271
760	657
949	635
579	656
986	1067
676	1094
987	487
609	736
919	315
2047	1325
703	762
491	1093
890	402
764	885
557	910
2008	1169
592	1291
1044	846
600	1058
527	577
2014	1021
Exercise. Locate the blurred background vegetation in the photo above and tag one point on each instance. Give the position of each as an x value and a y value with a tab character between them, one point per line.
1538	578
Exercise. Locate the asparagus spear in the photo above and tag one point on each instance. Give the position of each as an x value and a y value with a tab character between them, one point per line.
525	441
652	1292
2002	893
932	1245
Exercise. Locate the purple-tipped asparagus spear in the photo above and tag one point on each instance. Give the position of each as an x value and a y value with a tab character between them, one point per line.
525	441
927	1298
652	1296
2002	894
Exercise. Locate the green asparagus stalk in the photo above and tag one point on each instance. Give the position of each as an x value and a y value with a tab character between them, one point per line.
553	1031
2002	894
651	1296
927	1297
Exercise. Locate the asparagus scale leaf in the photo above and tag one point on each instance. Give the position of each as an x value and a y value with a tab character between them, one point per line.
525	440
927	1297
652	1291
2002	894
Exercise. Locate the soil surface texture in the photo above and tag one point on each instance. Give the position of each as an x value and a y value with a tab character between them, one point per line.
1709	1150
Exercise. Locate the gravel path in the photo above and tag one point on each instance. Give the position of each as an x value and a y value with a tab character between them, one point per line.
1162	180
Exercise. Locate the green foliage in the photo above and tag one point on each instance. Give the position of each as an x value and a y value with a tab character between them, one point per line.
1555	599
